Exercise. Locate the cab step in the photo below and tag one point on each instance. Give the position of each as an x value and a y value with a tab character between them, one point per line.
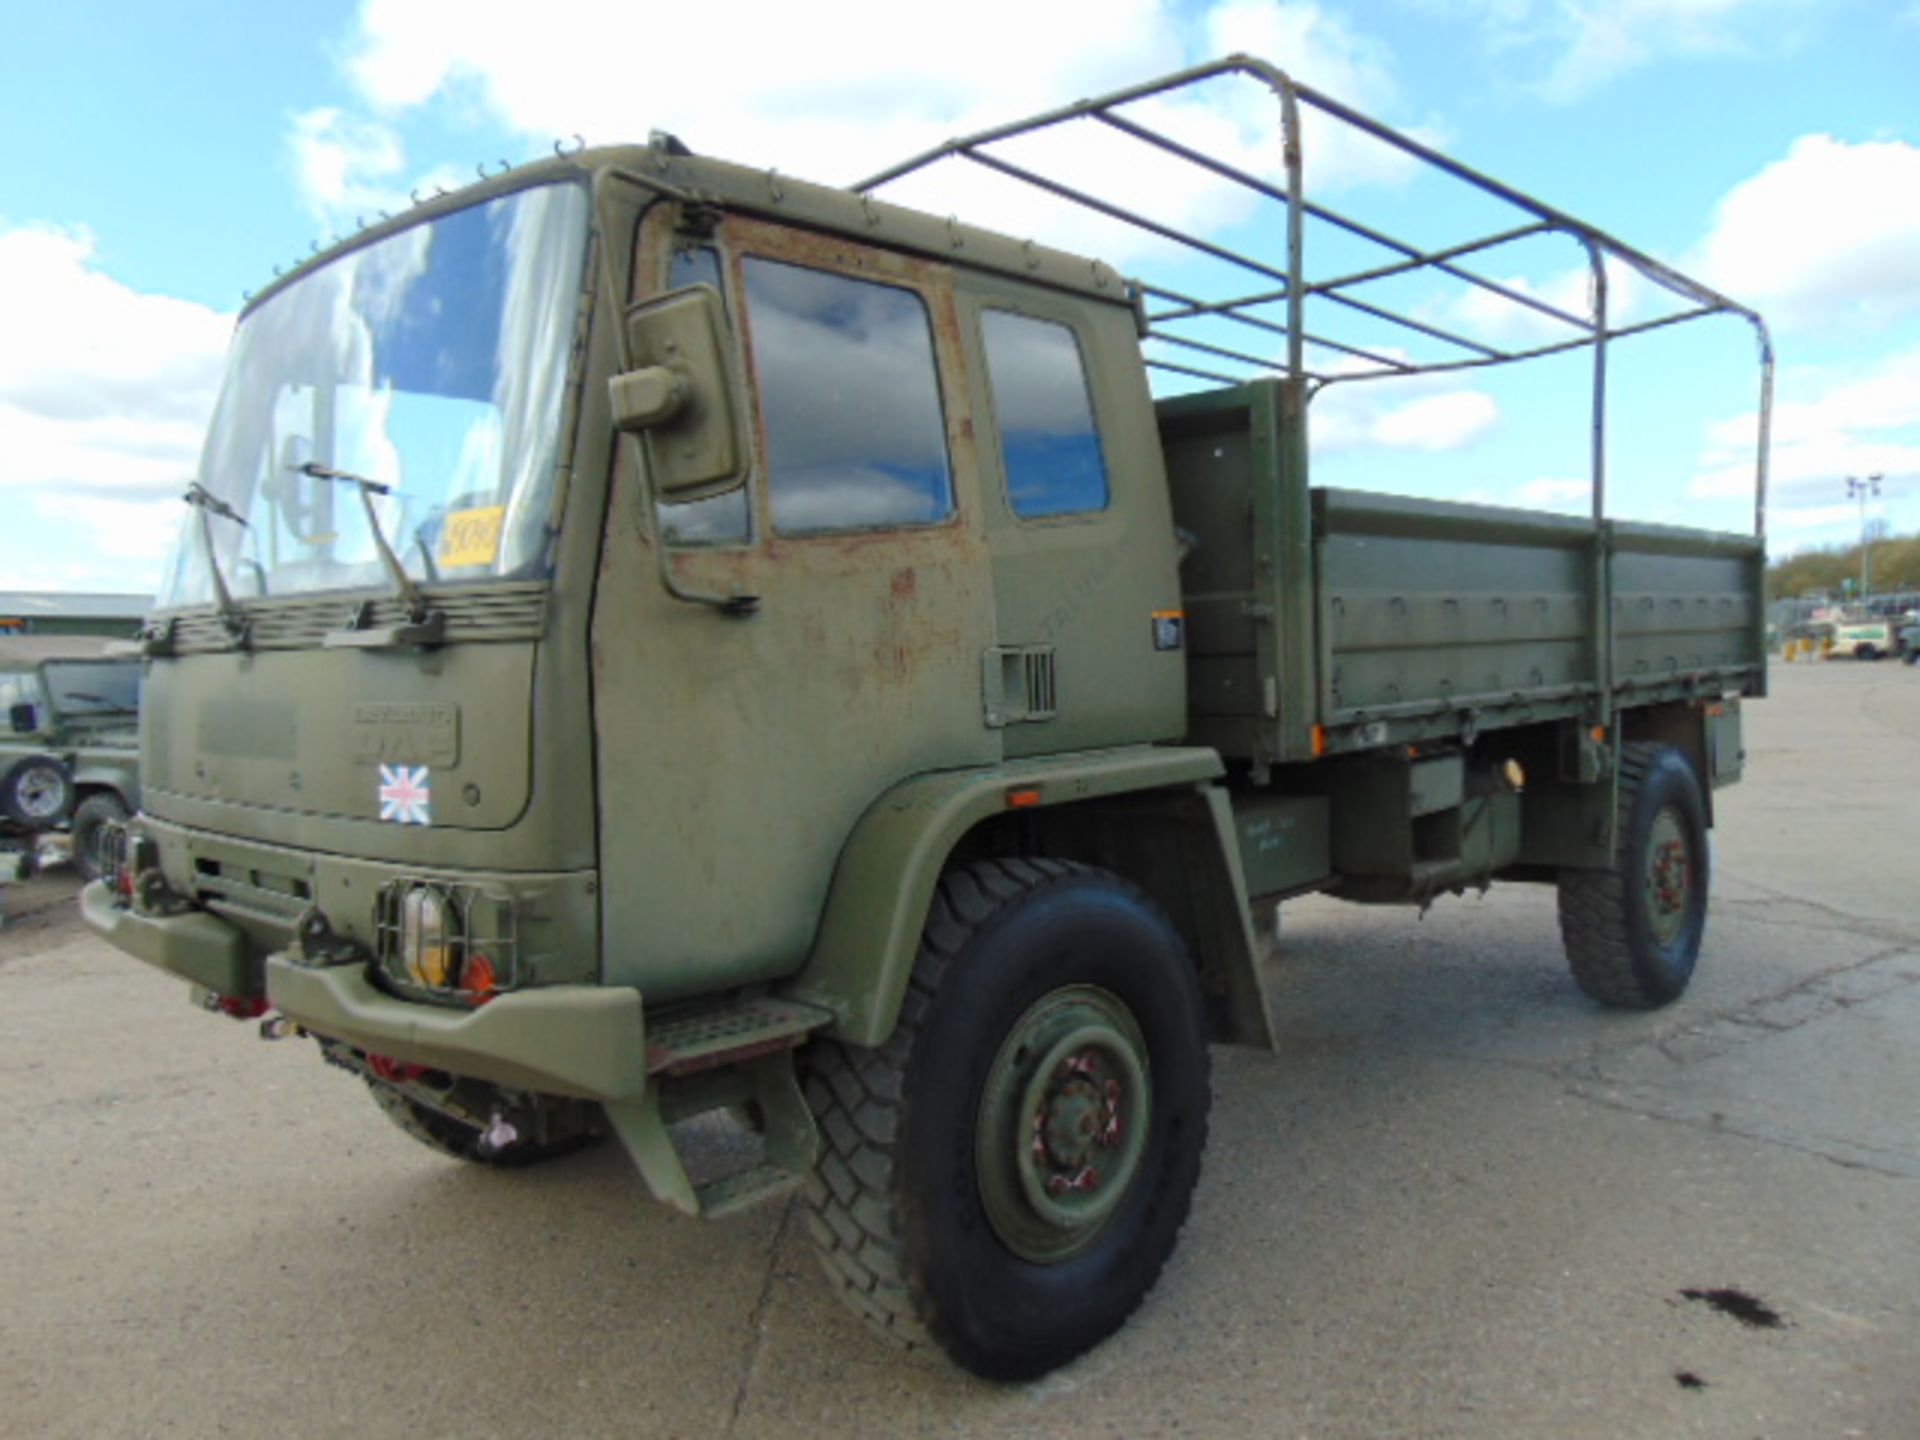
737	1056
734	1193
726	1034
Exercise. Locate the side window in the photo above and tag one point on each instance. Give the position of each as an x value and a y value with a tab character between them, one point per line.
697	266
22	688
1048	442
850	400
723	519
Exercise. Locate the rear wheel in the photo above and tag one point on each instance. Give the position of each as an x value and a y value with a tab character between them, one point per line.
445	1133
90	822
36	793
1006	1177
1632	934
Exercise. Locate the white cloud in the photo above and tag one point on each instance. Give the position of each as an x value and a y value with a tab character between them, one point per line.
1573	497
863	82
1826	426
1829	234
1448	421
1606	38
1424	412
1493	319
100	386
838	101
1581	45
82	346
104	396
1318	50
346	167
127	539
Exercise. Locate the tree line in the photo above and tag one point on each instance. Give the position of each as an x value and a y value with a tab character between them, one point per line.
1896	566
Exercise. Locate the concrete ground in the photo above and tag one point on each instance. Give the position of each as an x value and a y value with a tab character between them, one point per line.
1460	1200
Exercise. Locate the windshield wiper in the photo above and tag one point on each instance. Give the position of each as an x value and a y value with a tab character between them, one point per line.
102	704
424	626
207	503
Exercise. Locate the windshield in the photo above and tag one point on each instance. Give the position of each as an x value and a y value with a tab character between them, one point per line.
433	361
95	687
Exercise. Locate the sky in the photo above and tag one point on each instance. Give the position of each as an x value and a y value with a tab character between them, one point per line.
159	161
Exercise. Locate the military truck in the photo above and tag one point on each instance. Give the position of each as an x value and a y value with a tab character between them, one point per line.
654	639
70	754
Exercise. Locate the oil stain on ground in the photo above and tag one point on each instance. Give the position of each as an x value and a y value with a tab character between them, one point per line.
1749	1311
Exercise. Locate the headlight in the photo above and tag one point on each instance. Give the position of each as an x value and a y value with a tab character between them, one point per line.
425	947
452	938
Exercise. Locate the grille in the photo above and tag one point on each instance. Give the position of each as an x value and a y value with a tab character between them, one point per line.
495	612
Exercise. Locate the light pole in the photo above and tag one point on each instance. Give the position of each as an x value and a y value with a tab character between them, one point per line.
1861	489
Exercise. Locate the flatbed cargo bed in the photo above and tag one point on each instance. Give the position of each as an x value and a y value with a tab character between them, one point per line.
1325	621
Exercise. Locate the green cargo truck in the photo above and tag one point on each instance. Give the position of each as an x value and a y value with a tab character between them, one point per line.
764	651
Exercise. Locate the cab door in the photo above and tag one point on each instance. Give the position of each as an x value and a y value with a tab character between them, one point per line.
1090	625
736	754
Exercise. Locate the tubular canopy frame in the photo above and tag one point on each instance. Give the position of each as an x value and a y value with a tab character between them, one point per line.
1280	279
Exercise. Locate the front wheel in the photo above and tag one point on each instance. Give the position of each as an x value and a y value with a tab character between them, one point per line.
1007	1175
453	1137
1632	934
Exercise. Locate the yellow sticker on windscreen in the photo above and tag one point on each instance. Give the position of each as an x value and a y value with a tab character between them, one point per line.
472	537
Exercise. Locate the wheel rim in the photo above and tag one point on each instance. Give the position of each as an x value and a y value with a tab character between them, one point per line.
40	793
1063	1122
1670	877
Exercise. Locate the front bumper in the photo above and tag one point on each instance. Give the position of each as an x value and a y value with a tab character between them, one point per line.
583	1040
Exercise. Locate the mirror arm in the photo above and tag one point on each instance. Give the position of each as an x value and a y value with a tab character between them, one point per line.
734	607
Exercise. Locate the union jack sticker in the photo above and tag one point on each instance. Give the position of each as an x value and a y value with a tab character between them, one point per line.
406	794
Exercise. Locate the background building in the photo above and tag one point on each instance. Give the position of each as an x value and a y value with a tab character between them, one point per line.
48	612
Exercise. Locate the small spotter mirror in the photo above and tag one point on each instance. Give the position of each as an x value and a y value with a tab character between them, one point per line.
679	396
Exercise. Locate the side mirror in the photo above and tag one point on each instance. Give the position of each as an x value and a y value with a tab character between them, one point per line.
679	398
23	719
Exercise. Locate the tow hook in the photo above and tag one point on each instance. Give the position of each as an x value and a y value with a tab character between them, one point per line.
499	1134
394	1072
234	1007
279	1027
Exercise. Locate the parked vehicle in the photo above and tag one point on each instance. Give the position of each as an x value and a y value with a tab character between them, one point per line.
70	754
1867	636
764	651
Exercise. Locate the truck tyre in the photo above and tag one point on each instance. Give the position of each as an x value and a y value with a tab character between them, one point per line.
1007	1174
37	793
90	821
453	1137
1632	934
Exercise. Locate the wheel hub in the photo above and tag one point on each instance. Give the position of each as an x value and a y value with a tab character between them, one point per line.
1669	880
1078	1124
1063	1122
40	794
